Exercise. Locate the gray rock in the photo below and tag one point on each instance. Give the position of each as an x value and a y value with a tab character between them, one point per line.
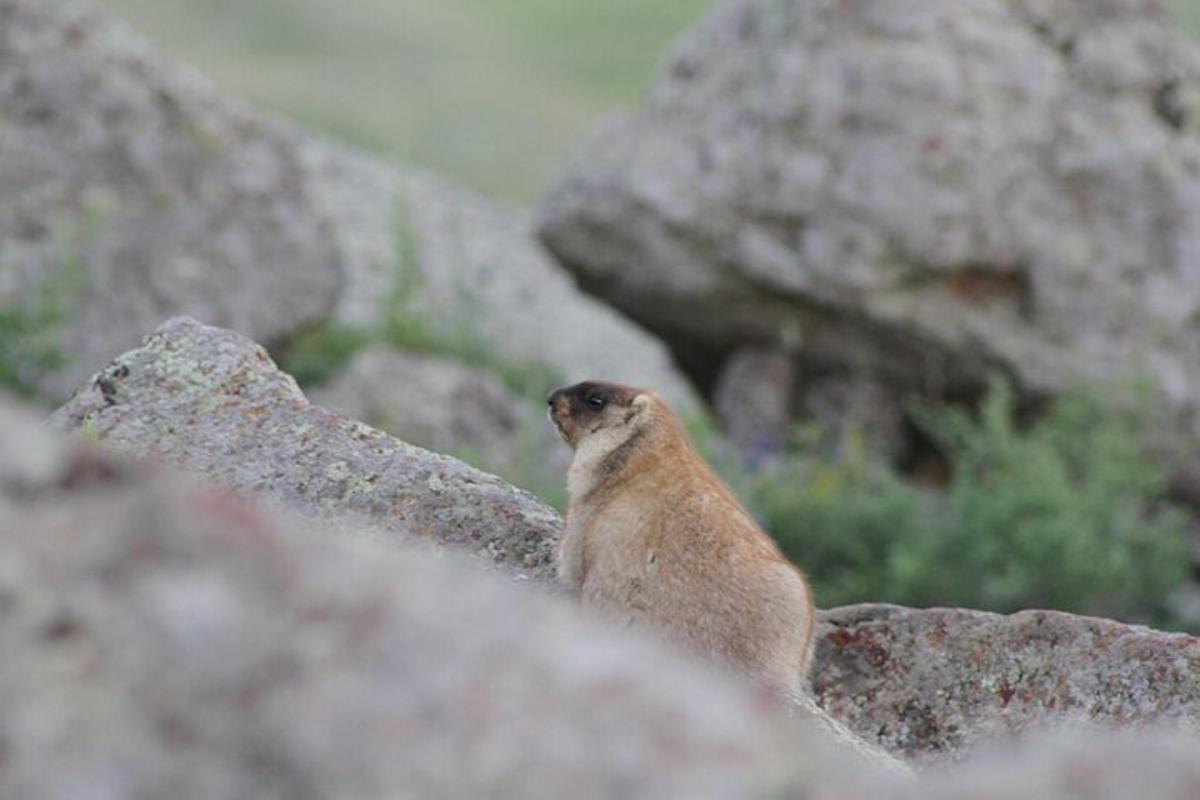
213	403
1073	765
933	684
448	407
922	196
130	191
168	639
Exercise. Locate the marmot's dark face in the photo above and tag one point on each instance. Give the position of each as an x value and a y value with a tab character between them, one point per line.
586	408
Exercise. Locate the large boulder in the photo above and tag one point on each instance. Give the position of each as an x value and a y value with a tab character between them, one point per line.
933	684
132	191
211	402
167	639
911	198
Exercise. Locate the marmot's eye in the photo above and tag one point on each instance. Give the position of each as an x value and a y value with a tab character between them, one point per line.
595	400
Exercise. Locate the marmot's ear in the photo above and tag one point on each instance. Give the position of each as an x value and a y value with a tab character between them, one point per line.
640	403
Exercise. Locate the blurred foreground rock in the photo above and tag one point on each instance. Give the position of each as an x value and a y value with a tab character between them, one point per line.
166	639
906	200
131	191
931	684
1078	764
211	402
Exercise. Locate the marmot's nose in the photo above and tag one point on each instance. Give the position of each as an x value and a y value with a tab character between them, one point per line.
550	397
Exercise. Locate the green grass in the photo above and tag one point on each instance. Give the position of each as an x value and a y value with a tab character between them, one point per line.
495	93
1189	12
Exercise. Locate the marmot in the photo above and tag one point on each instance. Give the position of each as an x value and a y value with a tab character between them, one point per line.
655	539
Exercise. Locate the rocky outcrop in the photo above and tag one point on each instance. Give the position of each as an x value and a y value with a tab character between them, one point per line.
911	200
132	191
932	684
167	639
212	402
448	407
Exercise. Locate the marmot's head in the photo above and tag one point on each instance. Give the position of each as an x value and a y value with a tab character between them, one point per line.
595	409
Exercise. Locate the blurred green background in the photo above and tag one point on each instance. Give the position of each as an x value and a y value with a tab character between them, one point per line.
492	92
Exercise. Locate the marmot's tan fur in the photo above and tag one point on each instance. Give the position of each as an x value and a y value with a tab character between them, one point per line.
655	539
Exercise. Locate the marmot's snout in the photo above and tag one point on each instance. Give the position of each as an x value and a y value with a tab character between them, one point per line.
560	413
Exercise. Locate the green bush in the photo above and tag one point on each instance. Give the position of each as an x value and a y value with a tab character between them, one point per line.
842	526
28	348
1063	514
1068	514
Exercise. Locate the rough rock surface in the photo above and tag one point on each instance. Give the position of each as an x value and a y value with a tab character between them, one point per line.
132	192
921	194
165	639
931	684
445	406
212	402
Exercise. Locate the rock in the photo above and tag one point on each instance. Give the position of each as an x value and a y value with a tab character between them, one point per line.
448	407
167	639
933	684
132	191
922	197
479	270
213	403
1072	765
